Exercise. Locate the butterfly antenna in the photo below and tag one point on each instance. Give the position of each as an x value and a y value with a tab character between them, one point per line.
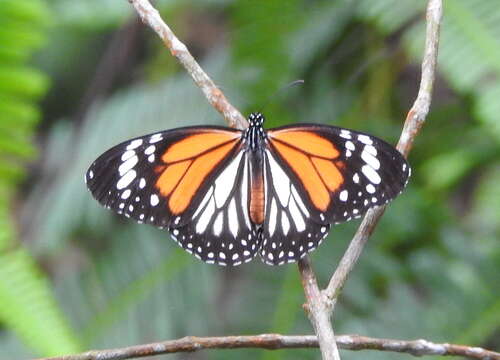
280	91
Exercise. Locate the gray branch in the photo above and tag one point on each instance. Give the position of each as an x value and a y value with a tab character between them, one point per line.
414	121
276	341
319	305
215	97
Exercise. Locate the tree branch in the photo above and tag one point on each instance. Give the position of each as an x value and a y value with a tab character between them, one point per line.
414	121
318	305
317	311
276	341
215	97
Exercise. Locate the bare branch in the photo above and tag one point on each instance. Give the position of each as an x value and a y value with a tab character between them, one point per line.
317	311
276	341
318	306
414	121
216	98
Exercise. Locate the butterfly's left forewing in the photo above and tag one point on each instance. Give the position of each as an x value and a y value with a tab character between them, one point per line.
192	181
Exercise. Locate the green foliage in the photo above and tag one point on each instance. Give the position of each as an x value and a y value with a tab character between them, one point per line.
27	304
431	268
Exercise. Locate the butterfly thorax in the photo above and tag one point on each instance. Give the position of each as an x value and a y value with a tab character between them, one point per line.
255	133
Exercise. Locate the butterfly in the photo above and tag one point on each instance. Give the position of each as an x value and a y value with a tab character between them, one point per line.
226	195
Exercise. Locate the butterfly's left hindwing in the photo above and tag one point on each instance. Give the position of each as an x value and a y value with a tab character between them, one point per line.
220	230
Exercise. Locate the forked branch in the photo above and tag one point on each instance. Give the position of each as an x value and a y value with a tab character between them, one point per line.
414	121
319	304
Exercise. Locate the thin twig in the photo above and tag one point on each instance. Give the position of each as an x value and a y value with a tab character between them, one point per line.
216	98
277	341
414	121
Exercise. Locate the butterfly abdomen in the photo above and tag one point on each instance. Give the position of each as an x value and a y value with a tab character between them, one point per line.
257	191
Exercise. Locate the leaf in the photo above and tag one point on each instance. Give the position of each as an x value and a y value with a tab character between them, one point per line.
27	304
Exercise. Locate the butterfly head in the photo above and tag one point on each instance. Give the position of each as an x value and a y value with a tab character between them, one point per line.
256	119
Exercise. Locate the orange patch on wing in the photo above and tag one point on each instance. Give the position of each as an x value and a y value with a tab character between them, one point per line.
331	176
199	170
307	141
196	144
307	174
171	177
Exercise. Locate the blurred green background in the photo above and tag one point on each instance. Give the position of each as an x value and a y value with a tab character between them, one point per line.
77	77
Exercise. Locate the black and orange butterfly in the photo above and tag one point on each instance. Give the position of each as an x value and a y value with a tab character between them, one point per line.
225	194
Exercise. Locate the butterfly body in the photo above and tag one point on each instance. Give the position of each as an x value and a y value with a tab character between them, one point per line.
225	195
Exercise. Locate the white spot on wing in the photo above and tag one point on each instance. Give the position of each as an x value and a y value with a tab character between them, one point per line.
296	216
205	217
203	202
272	217
346	134
370	188
155	138
127	155
150	149
370	159
218	224
343	195
127	165
154	200
226	181
134	144
126	179
371	174
280	180
233	218
350	146
244	195
299	201
285	223
365	139
142	183
126	194
371	149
